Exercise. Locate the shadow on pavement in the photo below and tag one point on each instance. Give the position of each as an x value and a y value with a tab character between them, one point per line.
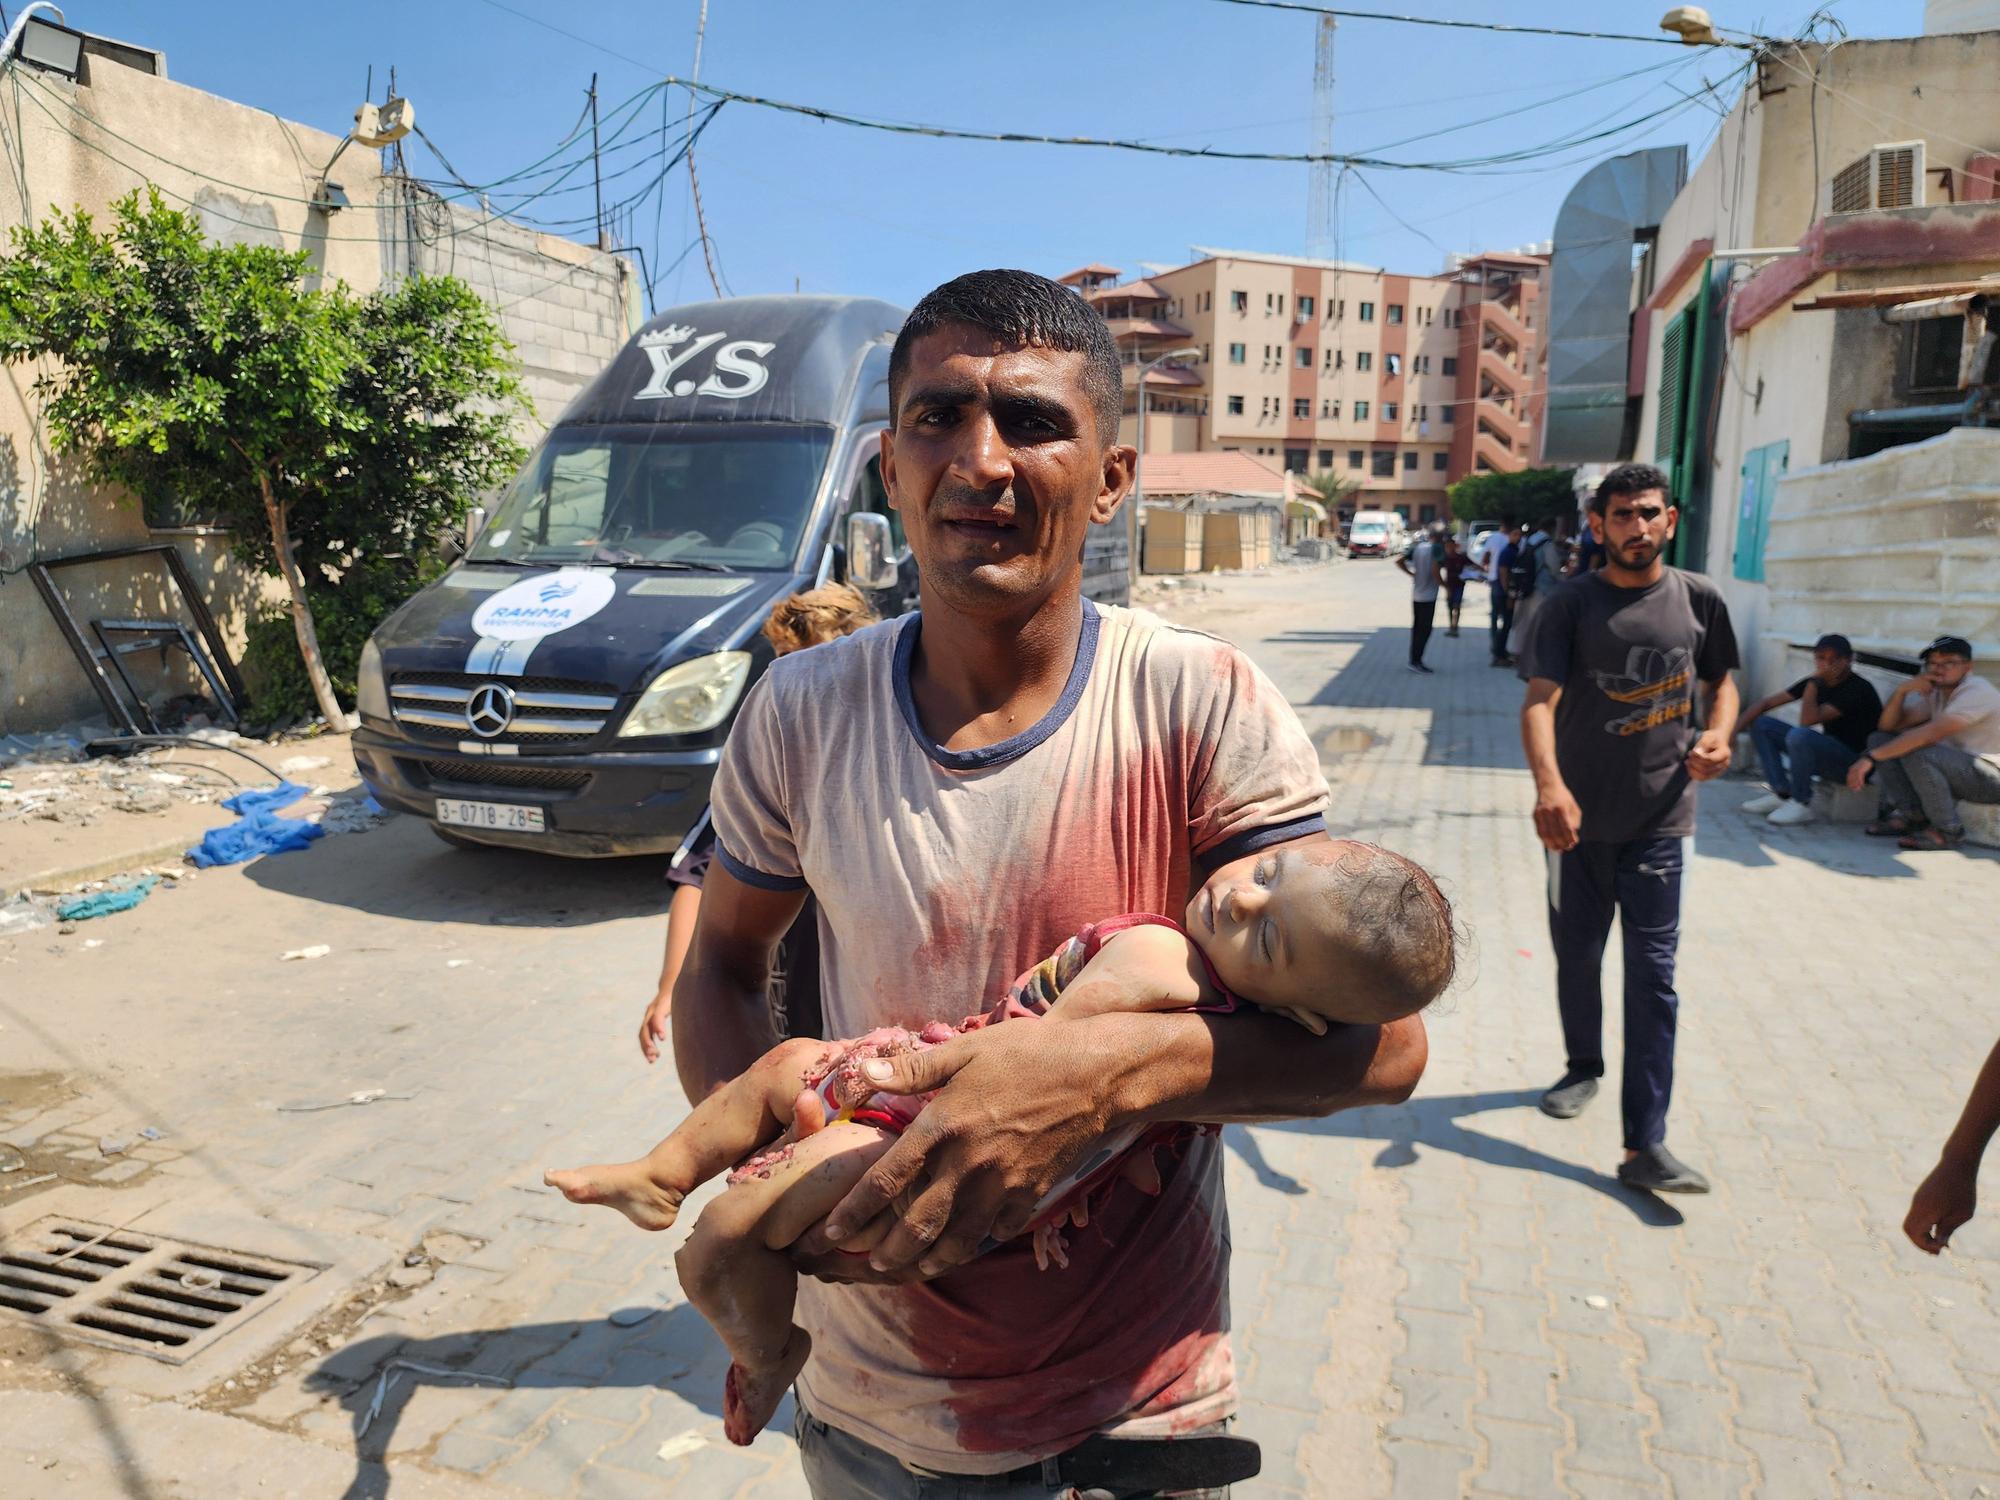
1434	1122
402	870
1474	707
1244	1144
673	1350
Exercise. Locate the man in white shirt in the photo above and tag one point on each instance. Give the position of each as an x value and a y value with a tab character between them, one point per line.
1422	564
1939	746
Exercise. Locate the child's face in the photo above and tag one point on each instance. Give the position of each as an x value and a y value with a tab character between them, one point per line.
1266	926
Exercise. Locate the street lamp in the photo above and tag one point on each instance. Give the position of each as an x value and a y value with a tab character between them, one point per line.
1139	464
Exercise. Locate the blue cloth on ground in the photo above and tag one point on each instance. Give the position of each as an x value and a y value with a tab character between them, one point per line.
258	829
104	903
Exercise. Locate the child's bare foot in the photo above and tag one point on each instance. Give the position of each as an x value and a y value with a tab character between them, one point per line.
750	1396
624	1186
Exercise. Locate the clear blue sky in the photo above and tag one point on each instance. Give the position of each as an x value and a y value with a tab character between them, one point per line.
793	201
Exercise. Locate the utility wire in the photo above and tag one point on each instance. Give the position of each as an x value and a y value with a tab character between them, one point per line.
1376	15
694	182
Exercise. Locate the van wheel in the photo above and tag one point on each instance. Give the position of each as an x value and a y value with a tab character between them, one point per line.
457	840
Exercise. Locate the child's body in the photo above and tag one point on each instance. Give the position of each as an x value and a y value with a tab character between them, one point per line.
1321	933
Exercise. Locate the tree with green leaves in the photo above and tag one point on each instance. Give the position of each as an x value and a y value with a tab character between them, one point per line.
320	426
1527	495
1329	488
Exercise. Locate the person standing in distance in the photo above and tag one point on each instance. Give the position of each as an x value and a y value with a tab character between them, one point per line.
1611	735
1423	563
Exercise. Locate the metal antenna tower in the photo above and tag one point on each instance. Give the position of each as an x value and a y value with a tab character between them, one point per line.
1320	194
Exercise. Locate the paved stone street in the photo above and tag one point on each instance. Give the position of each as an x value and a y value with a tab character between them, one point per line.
1452	1297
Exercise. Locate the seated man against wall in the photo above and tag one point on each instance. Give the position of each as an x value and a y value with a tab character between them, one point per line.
1837	713
1939	746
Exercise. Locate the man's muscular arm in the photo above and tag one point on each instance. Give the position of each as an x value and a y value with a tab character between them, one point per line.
722	1020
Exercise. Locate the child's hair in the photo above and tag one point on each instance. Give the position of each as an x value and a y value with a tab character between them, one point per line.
813	617
1400	926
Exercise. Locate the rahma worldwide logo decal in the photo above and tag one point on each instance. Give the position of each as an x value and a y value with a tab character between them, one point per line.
543	605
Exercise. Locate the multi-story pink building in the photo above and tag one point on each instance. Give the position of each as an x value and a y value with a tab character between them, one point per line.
1403	384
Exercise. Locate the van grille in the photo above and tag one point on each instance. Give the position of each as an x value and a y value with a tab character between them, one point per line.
497	773
431	707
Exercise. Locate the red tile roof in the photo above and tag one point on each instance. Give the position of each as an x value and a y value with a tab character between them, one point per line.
1095	269
1141	290
1211	474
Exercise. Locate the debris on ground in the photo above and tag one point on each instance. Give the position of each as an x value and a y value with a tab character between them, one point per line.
303	763
395	1367
24	914
630	1317
311	950
116	897
258	828
114	1145
682	1446
362	1096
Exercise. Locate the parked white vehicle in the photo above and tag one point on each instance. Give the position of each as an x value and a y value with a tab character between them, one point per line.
1375	533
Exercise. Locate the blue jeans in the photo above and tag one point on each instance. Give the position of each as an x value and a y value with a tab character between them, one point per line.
1501	621
1640	881
1793	755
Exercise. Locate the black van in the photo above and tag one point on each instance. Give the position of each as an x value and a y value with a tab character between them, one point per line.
568	685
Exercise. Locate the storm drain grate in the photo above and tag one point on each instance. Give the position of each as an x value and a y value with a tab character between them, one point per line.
166	1299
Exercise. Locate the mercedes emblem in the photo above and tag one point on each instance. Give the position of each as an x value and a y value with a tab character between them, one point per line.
490	710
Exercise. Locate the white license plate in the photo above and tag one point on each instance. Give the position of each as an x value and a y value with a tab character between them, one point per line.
504	816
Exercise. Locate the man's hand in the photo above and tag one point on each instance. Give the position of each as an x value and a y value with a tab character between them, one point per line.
1558	820
1710	756
653	1029
1944	1200
1018	1106
1857	774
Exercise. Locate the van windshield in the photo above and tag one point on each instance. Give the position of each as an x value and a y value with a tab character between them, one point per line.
702	495
1369	528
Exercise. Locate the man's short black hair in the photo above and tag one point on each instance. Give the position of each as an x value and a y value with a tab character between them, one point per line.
1023	309
1630	479
1839	645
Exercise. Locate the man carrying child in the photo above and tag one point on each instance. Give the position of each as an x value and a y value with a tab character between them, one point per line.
961	791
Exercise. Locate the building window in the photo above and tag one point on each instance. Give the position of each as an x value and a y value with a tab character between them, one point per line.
1426	514
1305	307
1449	414
1330	410
1364	361
1204	354
1326	458
1392	364
1388	411
1438	460
1395	312
1235	406
1409	463
1449	366
1353	458
1237	353
1304	356
1361	411
1382	463
1367	312
1239	302
1421	365
1423	414
1302	407
1295	459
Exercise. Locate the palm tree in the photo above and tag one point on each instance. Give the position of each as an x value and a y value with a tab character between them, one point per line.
1329	488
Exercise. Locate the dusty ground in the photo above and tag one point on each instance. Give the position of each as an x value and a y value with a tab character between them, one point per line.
1450	1297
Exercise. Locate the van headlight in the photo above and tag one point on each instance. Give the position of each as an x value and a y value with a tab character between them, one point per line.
689	698
371	687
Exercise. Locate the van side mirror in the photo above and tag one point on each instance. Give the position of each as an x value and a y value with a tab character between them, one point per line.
475	522
871	563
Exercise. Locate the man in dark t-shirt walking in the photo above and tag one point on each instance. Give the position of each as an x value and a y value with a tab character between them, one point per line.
1610	728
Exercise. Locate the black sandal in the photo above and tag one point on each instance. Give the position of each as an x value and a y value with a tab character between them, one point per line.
1931	838
1895	826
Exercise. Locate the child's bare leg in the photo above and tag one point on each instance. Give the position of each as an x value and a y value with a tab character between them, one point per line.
736	1270
725	1127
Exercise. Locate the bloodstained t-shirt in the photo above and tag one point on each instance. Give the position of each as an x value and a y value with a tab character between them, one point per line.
1628	661
942	875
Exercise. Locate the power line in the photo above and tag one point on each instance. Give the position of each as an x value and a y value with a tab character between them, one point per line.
1376	15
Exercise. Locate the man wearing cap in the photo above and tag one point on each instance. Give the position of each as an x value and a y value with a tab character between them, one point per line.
1842	707
1939	746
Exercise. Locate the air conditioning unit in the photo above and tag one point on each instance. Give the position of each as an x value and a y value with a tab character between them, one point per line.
1889	176
1302	317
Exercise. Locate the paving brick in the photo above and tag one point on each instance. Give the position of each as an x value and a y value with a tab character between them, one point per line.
1771	1400
1512	1325
1876	1456
1521	1459
1704	1479
1677	1354
1610	1440
472	1451
1953	1431
1790	1466
1595	1369
1437	1341
1422	1471
552	1464
1519	1389
1695	1421
1436	1409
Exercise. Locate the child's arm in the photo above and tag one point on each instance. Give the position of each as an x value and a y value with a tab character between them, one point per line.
1147	968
